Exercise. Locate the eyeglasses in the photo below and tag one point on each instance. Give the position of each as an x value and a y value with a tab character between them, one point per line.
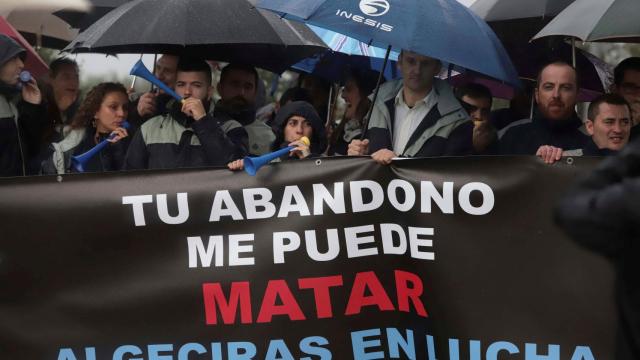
630	87
472	108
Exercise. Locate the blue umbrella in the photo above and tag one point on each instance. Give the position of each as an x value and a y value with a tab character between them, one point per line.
442	29
345	53
347	45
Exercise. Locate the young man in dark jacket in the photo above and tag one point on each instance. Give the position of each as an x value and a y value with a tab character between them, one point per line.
609	125
187	136
238	88
21	118
555	122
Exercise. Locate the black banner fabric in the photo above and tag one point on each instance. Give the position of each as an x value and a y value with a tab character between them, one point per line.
448	259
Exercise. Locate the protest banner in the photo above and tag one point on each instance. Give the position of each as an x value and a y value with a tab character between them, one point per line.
449	258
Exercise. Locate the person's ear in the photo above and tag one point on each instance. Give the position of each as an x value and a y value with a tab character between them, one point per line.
589	126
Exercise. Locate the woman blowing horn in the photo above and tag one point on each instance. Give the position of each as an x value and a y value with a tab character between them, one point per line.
102	113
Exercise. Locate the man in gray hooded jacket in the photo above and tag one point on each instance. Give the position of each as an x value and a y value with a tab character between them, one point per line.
417	116
21	118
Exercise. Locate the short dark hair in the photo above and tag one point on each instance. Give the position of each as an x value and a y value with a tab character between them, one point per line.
59	63
632	63
240	67
474	91
295	94
186	64
612	99
555	63
365	79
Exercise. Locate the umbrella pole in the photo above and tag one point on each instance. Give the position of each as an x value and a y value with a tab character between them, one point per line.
133	82
365	121
573	52
329	107
155	60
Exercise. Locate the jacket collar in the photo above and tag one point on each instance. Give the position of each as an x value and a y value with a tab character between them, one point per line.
447	102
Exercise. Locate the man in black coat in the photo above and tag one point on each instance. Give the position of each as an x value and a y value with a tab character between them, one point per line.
21	118
555	122
602	213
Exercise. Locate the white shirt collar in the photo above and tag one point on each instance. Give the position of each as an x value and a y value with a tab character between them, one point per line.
430	99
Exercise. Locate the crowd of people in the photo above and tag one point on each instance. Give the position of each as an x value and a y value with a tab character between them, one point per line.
42	125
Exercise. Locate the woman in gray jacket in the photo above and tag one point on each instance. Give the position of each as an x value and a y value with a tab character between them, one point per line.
102	113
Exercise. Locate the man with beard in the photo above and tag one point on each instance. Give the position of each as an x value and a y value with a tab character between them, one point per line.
416	116
187	136
237	89
21	117
555	122
626	83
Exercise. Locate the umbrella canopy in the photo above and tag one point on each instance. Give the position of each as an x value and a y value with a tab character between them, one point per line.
345	53
34	19
81	20
597	20
225	30
33	62
594	75
497	10
442	29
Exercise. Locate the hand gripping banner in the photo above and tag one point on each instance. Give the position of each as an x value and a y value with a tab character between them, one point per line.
448	259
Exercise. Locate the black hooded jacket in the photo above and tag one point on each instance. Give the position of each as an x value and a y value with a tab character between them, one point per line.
21	123
307	111
524	137
602	213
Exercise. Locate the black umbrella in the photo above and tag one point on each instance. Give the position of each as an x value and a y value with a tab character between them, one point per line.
225	30
83	19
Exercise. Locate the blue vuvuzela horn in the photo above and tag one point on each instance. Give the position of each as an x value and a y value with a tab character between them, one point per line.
78	162
253	164
141	71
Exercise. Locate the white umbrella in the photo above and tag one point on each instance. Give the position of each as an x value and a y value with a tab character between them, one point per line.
597	20
35	19
497	10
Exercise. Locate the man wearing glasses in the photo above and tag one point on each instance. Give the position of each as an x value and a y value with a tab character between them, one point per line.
627	84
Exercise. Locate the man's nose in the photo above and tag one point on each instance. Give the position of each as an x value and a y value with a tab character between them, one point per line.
617	127
20	63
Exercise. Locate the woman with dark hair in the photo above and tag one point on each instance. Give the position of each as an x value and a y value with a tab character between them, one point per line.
101	114
359	85
293	121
